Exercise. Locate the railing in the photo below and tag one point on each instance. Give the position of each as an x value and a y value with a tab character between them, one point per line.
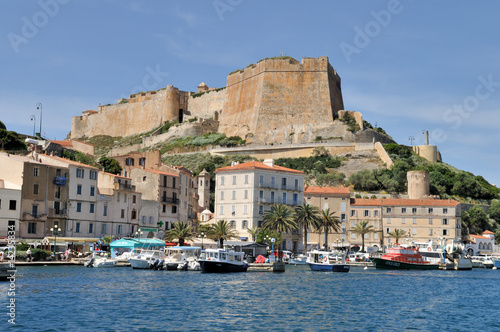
57	212
28	216
267	185
169	200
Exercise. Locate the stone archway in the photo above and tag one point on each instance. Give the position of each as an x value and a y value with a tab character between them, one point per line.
181	115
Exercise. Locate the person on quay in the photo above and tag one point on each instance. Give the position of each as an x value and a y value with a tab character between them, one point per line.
28	255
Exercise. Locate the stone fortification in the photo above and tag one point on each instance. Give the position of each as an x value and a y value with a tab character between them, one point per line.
279	98
142	112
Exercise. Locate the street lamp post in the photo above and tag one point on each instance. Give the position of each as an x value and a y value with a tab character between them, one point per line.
202	236
33	118
138	234
55	231
39	107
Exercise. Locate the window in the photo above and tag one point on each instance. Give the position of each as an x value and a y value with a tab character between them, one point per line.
375	236
142	161
403	220
431	210
104	229
36	171
234	179
445	232
353	236
78	207
261	194
261	209
122	215
366	213
245	194
273	181
414	210
376	225
80	173
119	229
93	175
430	231
244	224
221	180
174	209
232	223
388	220
246	179
105	211
389	210
125	198
32	228
91	228
376	213
414	231
79	189
92	207
296	184
151	220
245	209
129	162
283	183
222	195
414	221
284	198
35	189
57	192
134	215
173	183
117	197
233	194
164	208
77	227
272	197
342	217
165	181
353	224
259	224
134	199
353	213
445	210
233	210
403	210
387	230
445	221
261	180
221	210
430	221
295	199
92	191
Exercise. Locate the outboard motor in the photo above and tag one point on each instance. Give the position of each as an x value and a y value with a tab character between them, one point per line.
160	265
152	266
90	263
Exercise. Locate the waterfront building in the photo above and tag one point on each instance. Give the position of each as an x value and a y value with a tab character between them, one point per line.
10	205
337	199
118	206
422	220
245	191
481	244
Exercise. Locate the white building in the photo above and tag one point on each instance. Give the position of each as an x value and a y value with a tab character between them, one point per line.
10	209
481	244
244	191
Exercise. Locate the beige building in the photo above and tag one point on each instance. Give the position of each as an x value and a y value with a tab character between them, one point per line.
144	160
421	219
10	205
245	191
337	199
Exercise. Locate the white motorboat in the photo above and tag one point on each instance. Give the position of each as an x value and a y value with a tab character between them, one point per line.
318	260
220	260
453	258
482	262
147	259
182	258
300	259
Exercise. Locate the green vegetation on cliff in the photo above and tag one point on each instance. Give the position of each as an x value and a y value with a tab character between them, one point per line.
10	140
188	143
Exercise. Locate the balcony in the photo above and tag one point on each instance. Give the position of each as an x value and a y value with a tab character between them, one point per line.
60	181
170	200
28	216
268	185
58	213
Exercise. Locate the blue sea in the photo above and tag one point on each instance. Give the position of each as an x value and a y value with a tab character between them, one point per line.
75	298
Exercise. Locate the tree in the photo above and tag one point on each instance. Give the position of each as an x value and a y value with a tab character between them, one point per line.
265	236
494	211
397	234
362	228
222	231
279	218
475	221
181	231
328	221
253	232
110	165
307	216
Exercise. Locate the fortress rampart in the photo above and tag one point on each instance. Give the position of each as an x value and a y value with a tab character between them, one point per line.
275	100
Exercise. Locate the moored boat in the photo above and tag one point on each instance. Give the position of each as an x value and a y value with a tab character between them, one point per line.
403	258
146	258
482	262
319	261
220	260
300	259
182	258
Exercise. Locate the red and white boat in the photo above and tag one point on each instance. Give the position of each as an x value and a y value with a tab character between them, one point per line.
403	258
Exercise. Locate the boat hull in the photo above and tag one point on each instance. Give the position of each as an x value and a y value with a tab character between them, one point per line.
496	263
329	267
381	263
139	263
221	267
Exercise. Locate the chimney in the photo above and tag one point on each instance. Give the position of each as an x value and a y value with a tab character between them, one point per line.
269	162
426	133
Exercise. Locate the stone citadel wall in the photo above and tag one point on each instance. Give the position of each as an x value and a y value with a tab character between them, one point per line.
276	100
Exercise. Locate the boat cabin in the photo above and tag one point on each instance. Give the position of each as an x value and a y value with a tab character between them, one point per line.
404	254
222	255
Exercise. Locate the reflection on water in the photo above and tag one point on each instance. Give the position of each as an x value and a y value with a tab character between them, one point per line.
299	299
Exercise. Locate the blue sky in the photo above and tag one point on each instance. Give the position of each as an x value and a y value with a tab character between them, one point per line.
408	66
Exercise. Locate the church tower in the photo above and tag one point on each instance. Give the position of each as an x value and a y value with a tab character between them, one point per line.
203	190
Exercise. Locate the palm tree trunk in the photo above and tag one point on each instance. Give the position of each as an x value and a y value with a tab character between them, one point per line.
221	243
305	237
362	242
181	242
326	239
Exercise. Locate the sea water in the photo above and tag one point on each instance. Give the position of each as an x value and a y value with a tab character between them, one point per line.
75	298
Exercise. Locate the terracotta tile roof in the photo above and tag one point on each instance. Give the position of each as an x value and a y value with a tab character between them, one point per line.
252	165
117	176
63	143
160	172
326	191
488	232
479	237
403	202
64	160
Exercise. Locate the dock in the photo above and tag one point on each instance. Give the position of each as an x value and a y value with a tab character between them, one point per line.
266	267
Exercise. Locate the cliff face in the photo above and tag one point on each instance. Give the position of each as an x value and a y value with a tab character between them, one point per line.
278	100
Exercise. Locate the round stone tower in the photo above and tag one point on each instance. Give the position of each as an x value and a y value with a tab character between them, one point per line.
418	184
172	110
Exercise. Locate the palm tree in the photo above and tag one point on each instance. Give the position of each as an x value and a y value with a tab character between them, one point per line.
253	231
397	234
307	215
181	231
222	231
279	218
328	221
362	228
